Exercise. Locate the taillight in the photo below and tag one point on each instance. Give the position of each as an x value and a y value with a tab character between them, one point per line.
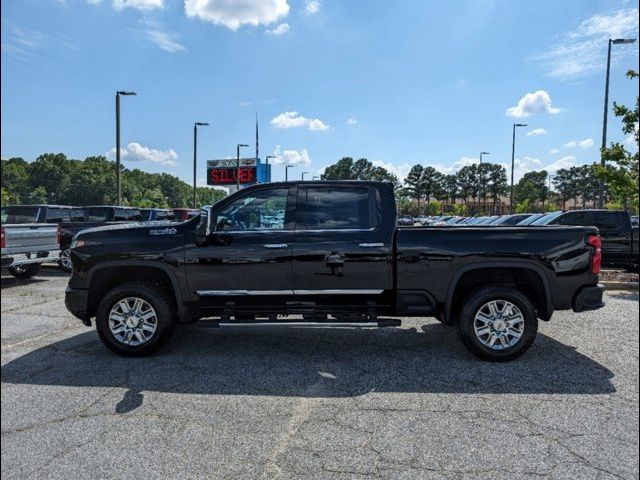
3	241
595	242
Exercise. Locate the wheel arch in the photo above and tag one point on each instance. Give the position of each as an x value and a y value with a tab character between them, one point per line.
110	274
507	274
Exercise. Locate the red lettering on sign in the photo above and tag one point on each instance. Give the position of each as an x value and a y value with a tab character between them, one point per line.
225	176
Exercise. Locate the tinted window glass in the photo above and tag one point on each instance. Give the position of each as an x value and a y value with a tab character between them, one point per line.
146	214
607	222
574	219
19	214
335	208
546	219
261	210
77	216
57	215
127	215
97	214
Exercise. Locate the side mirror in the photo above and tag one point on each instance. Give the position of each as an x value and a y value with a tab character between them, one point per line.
204	227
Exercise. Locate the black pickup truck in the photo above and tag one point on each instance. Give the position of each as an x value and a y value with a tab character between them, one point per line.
330	252
619	235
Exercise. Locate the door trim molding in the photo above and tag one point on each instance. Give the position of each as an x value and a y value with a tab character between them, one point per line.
330	291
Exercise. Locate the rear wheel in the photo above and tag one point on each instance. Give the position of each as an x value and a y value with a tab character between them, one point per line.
25	271
135	319
497	323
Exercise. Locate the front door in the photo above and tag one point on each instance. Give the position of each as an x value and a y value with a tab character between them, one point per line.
340	246
248	253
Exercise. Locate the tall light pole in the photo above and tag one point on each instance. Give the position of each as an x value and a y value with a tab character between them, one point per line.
118	182
513	163
266	159
238	163
302	178
286	172
195	155
617	41
481	175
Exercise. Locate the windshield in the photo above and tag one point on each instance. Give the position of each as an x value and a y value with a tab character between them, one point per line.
20	214
545	219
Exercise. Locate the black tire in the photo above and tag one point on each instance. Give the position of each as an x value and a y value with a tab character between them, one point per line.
25	271
64	263
152	294
472	305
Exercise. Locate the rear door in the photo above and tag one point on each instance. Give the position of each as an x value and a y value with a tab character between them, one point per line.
340	246
615	230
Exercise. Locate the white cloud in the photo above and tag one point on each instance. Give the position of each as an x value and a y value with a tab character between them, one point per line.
554	151
144	5
233	14
532	104
583	50
400	171
351	121
279	30
134	152
291	157
531	164
586	143
165	41
537	131
294	120
312	6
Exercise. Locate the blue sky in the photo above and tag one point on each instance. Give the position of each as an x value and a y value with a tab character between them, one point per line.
399	83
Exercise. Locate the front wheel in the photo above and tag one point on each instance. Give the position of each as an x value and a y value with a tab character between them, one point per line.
497	323
135	319
25	271
64	262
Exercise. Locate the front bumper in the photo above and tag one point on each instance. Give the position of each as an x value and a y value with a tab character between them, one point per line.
77	301
589	298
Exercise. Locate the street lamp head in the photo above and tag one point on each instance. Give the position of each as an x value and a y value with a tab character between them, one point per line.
620	41
485	153
122	92
519	124
243	145
202	124
270	156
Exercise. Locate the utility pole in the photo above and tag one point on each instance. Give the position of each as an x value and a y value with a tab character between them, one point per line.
118	180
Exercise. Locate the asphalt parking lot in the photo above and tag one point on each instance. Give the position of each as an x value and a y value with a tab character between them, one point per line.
272	402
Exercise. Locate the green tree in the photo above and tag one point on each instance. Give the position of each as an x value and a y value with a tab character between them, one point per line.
362	169
496	182
15	179
532	189
432	181
622	176
414	183
467	178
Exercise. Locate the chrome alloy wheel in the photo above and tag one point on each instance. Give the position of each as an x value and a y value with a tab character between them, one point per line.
133	321
65	259
499	324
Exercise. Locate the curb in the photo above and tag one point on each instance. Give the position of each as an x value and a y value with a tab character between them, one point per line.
630	286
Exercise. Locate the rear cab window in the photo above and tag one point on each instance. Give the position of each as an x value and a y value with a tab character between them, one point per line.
97	214
20	214
58	215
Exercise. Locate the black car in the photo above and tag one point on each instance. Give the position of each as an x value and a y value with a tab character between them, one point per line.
336	257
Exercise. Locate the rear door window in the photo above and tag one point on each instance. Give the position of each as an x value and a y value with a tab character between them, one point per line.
77	215
609	223
331	208
574	219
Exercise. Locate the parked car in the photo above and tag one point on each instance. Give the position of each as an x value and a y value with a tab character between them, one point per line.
635	220
26	246
183	214
157	215
509	220
337	254
619	237
405	221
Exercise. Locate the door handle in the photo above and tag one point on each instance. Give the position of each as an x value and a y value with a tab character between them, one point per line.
371	245
275	245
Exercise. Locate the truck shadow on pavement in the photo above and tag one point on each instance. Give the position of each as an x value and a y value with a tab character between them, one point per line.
309	362
47	272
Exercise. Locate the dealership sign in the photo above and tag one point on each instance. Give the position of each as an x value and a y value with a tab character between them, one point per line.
227	172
